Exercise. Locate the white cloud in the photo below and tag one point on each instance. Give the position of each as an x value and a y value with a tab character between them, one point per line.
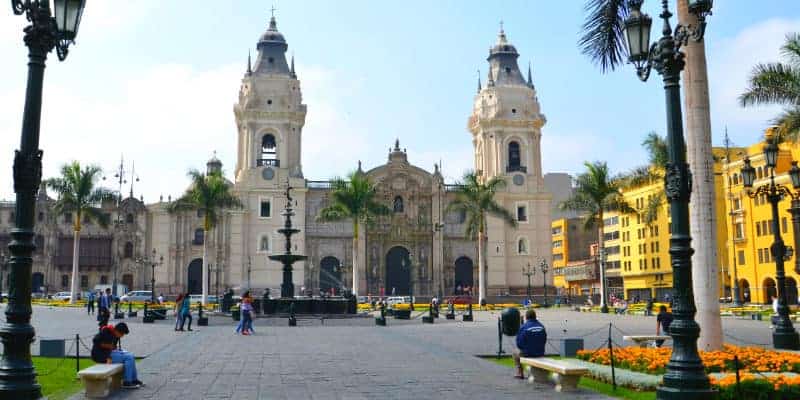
730	62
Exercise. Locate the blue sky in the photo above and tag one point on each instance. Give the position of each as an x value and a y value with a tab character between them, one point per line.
157	80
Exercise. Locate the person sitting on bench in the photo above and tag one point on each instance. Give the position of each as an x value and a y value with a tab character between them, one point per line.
531	339
105	350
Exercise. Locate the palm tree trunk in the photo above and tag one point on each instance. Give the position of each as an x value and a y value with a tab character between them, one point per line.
702	208
204	278
481	280
76	245
355	257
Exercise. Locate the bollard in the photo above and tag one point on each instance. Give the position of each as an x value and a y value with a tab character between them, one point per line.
451	311
611	354
117	314
292	319
499	338
468	316
148	316
381	321
131	313
201	320
428	319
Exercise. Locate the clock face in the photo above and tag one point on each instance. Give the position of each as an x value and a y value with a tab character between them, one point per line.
518	180
267	174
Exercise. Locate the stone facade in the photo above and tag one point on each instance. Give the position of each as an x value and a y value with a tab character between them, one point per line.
418	249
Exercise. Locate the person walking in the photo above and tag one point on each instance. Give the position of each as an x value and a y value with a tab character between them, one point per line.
177	310
90	304
104	308
247	314
186	312
160	298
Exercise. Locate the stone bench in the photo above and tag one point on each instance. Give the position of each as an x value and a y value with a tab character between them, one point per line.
566	374
644	340
101	379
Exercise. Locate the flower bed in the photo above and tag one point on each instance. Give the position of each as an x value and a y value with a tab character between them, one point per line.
654	360
776	387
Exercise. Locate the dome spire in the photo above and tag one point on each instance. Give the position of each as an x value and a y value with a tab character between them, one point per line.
501	37
271	47
249	64
294	75
530	80
479	80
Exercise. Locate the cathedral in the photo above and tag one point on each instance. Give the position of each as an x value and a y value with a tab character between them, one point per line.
419	248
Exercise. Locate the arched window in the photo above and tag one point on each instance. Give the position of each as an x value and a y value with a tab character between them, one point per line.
269	154
129	218
522	246
398	204
198	236
64	281
128	250
514	159
264	244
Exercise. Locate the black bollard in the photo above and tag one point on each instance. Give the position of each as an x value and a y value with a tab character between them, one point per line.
451	311
117	314
77	352
468	316
148	316
292	319
500	351
201	320
381	321
428	319
611	356
131	313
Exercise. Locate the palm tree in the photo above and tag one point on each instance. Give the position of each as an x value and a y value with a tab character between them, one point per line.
210	193
603	41
475	199
78	196
779	83
354	199
597	192
656	147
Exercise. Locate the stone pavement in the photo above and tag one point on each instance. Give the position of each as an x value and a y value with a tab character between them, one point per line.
350	358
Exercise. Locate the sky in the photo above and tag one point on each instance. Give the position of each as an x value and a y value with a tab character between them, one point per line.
155	82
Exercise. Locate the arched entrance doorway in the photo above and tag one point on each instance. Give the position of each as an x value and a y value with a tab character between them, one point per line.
769	290
194	280
744	285
330	275
463	278
37	282
398	272
791	291
127	280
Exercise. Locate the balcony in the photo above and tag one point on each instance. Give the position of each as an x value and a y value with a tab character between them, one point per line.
517	168
263	162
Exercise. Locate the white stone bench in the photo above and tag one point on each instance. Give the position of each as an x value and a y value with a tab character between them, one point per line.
101	379
566	374
644	340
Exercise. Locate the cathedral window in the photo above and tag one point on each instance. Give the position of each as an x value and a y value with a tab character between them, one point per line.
265	208
264	244
514	158
84	282
198	236
128	250
398	204
522	212
522	246
129	218
64	281
268	151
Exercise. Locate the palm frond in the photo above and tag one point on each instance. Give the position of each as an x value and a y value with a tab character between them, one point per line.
603	37
772	83
788	123
791	49
656	147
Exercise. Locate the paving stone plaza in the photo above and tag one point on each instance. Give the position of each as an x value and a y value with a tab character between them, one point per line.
347	358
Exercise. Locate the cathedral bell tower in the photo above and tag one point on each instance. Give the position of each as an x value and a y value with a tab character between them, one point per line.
506	121
506	127
270	114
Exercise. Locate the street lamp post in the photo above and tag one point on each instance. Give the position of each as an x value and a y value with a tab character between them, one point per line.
543	268
685	376
3	262
784	336
42	35
529	271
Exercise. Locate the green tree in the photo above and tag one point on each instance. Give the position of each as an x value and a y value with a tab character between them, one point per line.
597	192
475	199
353	199
779	83
79	196
210	193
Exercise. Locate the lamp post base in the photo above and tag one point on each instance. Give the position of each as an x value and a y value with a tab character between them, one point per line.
604	309
786	339
684	393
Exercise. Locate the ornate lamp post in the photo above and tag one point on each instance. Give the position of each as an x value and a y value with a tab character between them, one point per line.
45	32
152	261
685	377
3	262
543	268
529	271
784	336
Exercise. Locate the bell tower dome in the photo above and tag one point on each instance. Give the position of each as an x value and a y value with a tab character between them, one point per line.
270	115
506	120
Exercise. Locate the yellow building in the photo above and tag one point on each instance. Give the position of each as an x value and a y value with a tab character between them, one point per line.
571	249
750	223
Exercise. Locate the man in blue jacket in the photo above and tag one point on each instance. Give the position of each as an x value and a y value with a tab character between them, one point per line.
531	339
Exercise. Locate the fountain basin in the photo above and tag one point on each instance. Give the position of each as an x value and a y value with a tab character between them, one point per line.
288	258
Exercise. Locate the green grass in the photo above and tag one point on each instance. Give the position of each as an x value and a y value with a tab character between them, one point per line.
58	376
593	385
